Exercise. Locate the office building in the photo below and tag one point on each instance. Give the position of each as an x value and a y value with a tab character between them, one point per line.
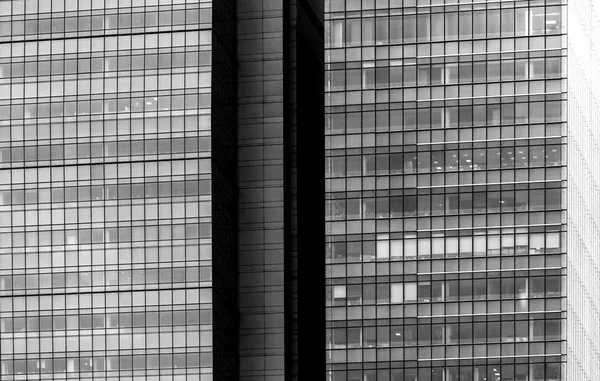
165	215
115	193
122	127
461	219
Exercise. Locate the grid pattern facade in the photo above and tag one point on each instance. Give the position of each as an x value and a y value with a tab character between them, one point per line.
262	246
280	49
583	213
105	190
446	190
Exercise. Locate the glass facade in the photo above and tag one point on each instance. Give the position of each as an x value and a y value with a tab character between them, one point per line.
262	248
153	152
583	212
280	88
106	190
446	190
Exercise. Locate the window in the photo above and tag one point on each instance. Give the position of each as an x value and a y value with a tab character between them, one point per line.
493	23
465	25
451	25
395	30
397	293
336	34
383	247
410	29
339	292
368	31
381	30
423	28
353	28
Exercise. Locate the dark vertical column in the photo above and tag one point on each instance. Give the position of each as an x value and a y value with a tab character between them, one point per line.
281	185
261	112
224	192
306	171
